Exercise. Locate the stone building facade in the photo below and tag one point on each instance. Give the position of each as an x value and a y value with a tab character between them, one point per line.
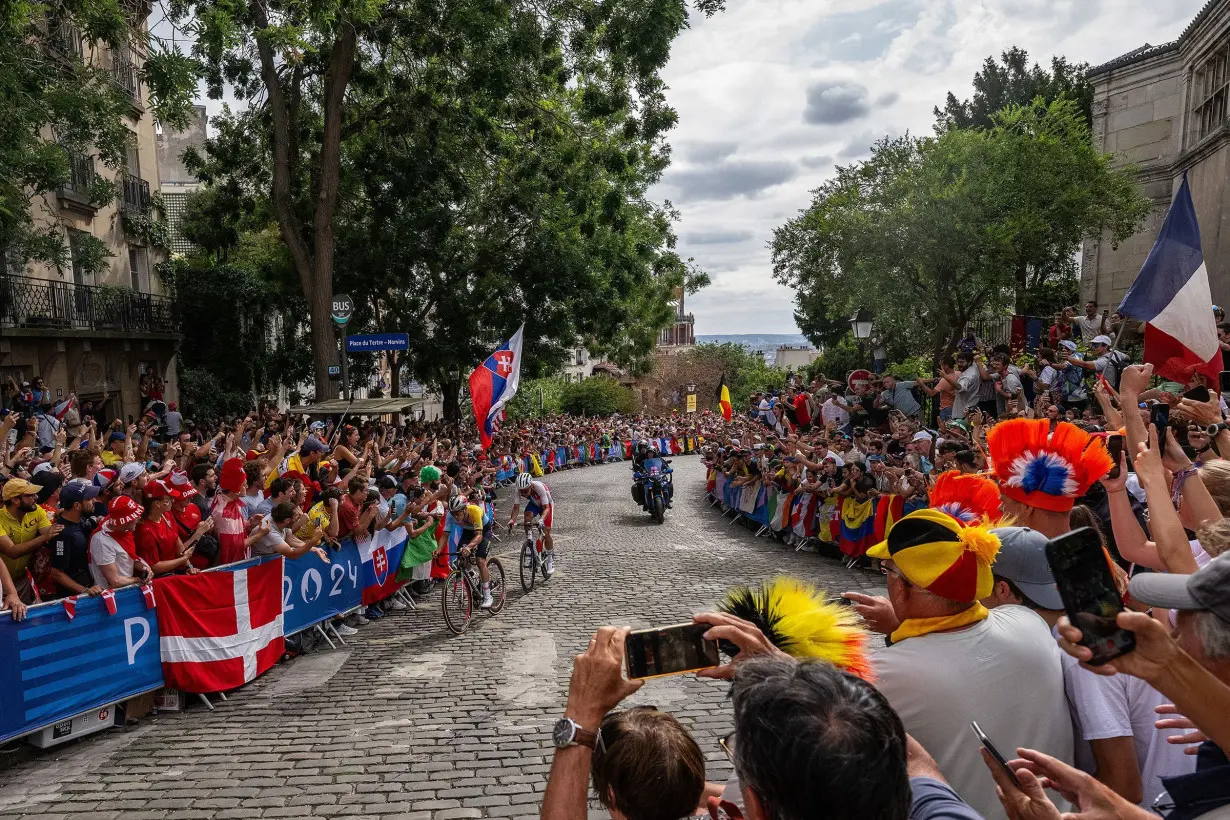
1164	109
176	181
97	334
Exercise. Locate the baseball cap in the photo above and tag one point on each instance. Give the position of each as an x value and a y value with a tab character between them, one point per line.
1022	560
1205	590
1067	344
157	489
102	478
922	435
124	510
387	483
76	491
1100	340
314	445
41	467
48	481
18	486
131	472
116	435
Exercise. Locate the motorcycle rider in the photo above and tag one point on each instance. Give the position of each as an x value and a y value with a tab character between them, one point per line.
652	458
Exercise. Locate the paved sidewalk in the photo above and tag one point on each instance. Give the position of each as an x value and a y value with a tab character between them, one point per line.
411	721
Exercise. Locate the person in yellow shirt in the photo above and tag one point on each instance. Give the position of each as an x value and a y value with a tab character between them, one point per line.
117	447
24	527
323	514
474	536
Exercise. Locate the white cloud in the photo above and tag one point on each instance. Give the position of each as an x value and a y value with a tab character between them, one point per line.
745	81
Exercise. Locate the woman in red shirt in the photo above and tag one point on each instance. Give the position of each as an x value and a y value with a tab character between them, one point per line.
158	541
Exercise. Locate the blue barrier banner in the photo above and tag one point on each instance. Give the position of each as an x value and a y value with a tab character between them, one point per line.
52	668
313	591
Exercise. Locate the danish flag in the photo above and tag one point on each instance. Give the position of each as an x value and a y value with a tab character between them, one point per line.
108	599
220	630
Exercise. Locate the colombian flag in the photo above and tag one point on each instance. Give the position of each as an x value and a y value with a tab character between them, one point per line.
857	526
723	397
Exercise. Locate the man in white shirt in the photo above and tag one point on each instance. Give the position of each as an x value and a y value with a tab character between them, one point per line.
1116	740
1091	324
113	547
967	380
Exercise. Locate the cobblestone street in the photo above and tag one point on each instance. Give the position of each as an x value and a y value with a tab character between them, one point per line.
410	721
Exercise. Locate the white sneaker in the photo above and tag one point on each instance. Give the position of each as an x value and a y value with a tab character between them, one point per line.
550	563
342	629
396	604
360	620
487	601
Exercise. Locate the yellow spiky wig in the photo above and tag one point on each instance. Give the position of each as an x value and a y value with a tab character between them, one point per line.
801	621
970	499
1042	469
936	552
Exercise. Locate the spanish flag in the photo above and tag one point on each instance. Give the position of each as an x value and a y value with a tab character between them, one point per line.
723	397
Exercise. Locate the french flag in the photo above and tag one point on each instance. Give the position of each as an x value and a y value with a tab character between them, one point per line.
1171	295
493	383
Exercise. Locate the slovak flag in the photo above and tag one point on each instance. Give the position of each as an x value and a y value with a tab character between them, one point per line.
219	630
493	384
380	556
1171	295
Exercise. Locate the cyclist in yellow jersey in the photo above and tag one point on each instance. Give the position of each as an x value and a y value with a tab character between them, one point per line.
476	536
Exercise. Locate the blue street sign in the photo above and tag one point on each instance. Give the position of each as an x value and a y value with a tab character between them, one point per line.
377	341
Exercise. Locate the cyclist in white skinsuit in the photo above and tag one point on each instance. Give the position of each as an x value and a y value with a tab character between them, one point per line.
538	502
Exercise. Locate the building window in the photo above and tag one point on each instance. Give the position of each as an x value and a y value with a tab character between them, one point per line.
1208	95
74	242
138	268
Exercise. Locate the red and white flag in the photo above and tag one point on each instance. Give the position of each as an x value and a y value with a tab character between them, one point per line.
108	599
220	630
70	606
147	590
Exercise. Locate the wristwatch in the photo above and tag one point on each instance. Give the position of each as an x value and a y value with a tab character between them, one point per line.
1214	429
568	732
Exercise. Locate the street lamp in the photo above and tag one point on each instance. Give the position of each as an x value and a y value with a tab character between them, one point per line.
691	387
860	323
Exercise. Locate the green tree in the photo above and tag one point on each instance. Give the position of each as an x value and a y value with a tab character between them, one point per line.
536	398
1011	82
931	233
58	100
351	96
597	396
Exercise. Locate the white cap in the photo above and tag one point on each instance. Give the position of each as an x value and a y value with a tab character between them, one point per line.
1067	344
922	435
1100	340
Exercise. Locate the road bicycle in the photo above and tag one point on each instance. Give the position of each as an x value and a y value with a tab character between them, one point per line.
533	556
463	590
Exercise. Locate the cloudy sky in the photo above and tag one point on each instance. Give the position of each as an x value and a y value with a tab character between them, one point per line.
772	92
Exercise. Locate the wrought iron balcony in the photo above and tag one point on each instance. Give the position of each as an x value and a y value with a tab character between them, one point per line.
66	40
40	304
136	194
124	72
80	174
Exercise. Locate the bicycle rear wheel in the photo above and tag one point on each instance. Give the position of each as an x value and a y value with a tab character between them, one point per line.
527	565
499	589
457	605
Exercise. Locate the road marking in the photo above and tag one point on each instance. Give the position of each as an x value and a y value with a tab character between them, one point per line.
529	668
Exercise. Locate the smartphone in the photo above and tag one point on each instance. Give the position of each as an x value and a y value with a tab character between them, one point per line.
1114	446
670	650
990	747
1090	598
1198	393
1159	417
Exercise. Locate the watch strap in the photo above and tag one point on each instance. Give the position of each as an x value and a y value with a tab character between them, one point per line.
584	737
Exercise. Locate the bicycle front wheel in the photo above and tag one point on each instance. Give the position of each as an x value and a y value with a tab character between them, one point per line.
457	605
527	565
499	589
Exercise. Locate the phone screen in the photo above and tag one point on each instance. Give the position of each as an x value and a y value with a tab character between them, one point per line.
1087	588
1198	393
670	650
1114	446
990	747
1159	417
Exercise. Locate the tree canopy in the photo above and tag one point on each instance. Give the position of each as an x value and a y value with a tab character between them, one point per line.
459	168
1014	82
932	232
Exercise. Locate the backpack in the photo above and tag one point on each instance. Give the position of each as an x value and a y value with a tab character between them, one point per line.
1112	371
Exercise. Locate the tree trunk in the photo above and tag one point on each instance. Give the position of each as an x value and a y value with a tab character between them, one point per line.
452	407
1021	289
394	374
324	340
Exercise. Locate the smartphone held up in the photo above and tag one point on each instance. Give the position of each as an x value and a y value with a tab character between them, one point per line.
1090	599
670	650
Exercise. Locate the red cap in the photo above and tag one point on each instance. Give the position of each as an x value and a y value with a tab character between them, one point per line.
155	490
124	510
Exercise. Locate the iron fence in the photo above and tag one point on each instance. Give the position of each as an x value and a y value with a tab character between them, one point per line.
136	194
26	302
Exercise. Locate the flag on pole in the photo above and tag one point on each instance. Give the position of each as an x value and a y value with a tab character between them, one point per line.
723	397
493	384
1171	296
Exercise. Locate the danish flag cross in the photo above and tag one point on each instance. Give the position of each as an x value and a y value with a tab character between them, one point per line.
380	562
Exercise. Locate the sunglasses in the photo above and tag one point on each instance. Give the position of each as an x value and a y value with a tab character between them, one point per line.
727	745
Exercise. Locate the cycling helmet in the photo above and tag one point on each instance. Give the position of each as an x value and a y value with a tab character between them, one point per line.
457	504
523	481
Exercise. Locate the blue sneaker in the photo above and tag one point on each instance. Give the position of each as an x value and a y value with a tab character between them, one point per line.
373	613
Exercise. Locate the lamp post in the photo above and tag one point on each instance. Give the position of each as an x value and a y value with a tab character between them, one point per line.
860	324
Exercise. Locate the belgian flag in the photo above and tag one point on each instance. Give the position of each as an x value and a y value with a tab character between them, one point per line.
723	398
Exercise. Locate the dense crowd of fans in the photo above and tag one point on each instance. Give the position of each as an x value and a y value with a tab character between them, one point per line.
90	505
973	623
